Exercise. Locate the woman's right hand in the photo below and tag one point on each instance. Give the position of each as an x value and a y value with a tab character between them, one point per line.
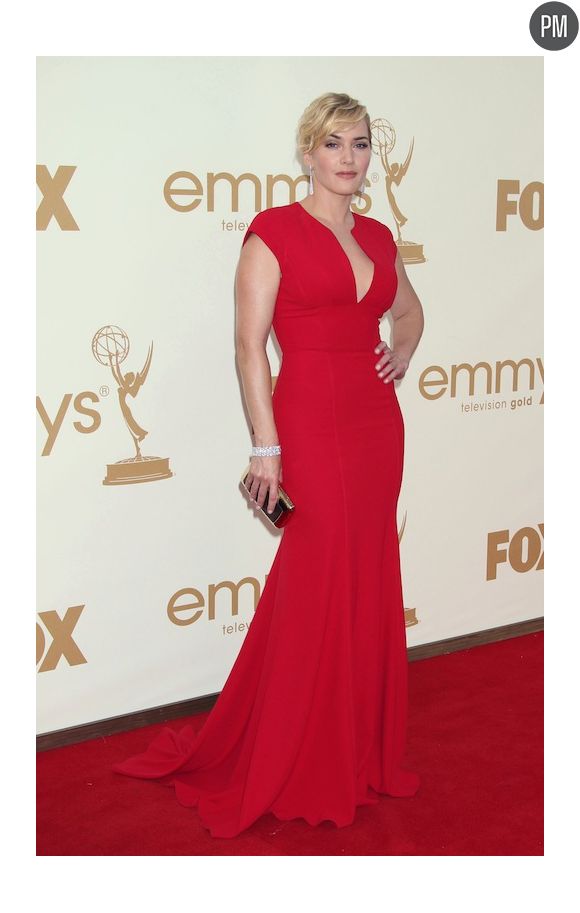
262	480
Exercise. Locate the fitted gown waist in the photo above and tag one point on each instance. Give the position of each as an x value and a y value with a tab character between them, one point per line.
334	394
330	328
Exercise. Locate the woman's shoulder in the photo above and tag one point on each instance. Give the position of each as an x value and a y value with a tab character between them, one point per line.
273	215
271	225
375	226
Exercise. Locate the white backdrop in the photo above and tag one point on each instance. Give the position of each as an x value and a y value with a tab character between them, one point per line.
145	590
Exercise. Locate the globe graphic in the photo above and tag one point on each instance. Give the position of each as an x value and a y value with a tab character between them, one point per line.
384	134
110	343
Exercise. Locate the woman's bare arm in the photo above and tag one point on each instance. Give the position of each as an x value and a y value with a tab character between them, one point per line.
408	325
256	289
407	314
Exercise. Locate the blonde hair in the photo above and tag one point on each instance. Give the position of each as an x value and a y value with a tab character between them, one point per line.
325	114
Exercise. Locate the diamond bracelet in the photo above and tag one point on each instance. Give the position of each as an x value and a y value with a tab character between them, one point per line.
272	450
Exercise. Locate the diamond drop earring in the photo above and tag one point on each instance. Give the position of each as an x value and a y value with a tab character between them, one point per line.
311	183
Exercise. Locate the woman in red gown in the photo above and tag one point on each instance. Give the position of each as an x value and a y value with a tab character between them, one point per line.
311	721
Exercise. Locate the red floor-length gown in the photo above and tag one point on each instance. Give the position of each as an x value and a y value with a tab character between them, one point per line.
311	721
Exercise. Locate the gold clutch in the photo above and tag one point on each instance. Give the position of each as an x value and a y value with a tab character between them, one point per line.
282	509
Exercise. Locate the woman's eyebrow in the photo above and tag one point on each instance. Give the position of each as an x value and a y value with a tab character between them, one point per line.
336	136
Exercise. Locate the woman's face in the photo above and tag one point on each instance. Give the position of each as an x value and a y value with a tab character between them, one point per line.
346	150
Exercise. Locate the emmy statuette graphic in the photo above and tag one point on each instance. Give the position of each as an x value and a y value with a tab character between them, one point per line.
110	347
385	137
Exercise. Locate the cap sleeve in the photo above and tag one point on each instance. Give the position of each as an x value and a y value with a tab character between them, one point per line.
268	227
391	243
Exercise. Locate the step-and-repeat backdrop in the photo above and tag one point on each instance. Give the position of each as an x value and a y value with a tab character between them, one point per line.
150	559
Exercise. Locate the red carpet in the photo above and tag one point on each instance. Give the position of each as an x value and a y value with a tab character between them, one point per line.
475	736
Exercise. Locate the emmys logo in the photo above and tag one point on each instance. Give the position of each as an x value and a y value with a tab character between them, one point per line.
437	381
62	644
184	191
385	138
53	426
110	347
524	551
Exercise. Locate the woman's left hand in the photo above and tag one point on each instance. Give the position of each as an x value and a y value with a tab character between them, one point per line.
390	365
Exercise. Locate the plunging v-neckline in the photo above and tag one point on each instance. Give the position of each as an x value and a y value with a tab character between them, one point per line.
347	258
